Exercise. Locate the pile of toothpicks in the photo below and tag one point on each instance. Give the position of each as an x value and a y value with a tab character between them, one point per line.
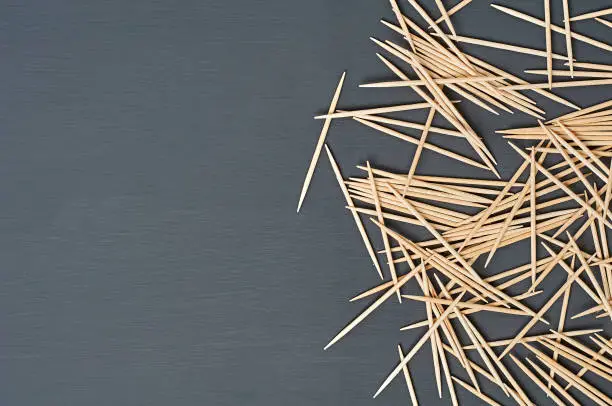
469	218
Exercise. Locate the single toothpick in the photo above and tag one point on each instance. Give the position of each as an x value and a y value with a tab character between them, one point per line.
590	391
408	378
417	153
453	10
562	186
597	357
475	392
381	219
536	21
592	14
552	383
550	85
400	19
541	312
568	36
377	110
445	17
588	74
395	288
604	22
517	205
349	201
507	47
535	379
418	345
319	147
548	42
533	221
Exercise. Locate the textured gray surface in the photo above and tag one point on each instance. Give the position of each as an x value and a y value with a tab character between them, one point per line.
151	158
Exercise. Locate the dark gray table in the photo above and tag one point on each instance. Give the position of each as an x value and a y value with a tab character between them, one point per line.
151	158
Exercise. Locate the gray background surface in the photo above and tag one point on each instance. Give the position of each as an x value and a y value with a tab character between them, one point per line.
151	158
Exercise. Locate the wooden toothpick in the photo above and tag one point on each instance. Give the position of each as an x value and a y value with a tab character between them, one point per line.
319	147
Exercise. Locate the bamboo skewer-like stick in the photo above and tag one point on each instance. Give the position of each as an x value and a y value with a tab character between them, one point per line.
592	14
536	21
447	374
548	42
409	384
395	217
319	147
435	195
568	36
418	345
349	201
384	236
573	83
